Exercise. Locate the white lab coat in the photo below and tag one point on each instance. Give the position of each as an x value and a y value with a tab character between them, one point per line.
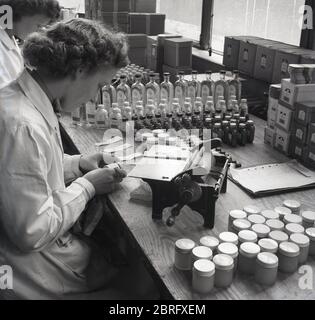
11	60
37	211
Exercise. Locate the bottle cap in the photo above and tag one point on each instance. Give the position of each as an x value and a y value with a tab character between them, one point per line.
261	230
241	224
310	232
275	224
202	252
292	218
228	248
270	214
278	236
256	219
268	245
251	209
249	249
289	249
238	214
228	237
294	228
184	245
301	240
247	236
205	268
210	242
267	260
308	216
223	262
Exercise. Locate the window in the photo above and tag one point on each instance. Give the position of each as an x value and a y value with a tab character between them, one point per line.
182	16
271	19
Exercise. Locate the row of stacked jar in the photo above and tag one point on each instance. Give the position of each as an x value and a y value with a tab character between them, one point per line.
153	106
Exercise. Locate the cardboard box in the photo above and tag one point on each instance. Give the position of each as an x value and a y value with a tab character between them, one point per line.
265	60
149	23
118	20
152	52
284	117
138	49
137	23
282	141
272	123
269	137
145	6
305	113
308	57
231	53
298	150
283	58
178	52
310	157
293	93
275	91
311	134
247	56
174	71
115	5
300	133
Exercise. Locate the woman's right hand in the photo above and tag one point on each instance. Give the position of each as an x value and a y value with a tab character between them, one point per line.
105	180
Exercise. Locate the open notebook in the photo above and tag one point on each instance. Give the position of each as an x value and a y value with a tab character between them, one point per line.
273	178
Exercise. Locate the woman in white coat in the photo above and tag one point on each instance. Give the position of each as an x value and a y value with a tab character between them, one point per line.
27	17
72	60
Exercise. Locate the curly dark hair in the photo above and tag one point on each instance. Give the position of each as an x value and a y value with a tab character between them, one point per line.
65	47
50	8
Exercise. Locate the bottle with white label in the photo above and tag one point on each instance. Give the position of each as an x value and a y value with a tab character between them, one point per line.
137	90
101	117
123	91
167	89
220	88
235	87
193	90
153	90
207	87
90	108
180	88
108	96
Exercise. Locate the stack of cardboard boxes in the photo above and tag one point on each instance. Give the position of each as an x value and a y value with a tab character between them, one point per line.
291	120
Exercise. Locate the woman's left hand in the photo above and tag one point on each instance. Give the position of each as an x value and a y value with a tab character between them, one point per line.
91	162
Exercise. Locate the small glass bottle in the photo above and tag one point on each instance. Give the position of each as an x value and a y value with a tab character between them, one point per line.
220	87
207	87
108	96
209	108
101	117
250	130
244	108
90	108
116	118
137	91
123	92
217	131
235	86
76	117
167	89
235	107
242	134
226	129
193	90
180	88
153	90
233	135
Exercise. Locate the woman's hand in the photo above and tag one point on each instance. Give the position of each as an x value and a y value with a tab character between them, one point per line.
105	180
95	161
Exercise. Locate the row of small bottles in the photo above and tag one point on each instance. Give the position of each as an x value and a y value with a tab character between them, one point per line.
140	89
230	123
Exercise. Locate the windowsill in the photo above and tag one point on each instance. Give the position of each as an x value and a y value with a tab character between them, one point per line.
204	54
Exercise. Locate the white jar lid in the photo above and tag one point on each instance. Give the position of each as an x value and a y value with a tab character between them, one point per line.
241	224
252	209
223	262
210	242
238	214
270	214
268	245
268	260
261	230
228	248
294	228
247	236
184	245
301	240
228	237
275	224
249	249
289	249
292	204
310	232
204	268
283	211
308	216
293	218
256	219
202	253
278	236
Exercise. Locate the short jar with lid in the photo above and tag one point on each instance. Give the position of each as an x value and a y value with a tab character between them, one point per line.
308	218
261	230
288	255
303	242
252	209
275	225
292	228
282	212
270	214
256	219
293	205
278	236
310	232
247	236
210	242
234	215
240	225
266	269
231	250
292	218
247	257
224	270
183	254
268	245
228	237
201	253
203	275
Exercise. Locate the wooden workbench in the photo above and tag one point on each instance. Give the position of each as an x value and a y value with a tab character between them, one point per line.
155	241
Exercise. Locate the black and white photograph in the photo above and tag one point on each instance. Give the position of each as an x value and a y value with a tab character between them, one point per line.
157	156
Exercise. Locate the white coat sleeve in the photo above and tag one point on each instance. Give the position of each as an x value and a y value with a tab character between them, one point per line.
71	166
32	213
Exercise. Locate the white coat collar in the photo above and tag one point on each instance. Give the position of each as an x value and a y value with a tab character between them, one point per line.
7	41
